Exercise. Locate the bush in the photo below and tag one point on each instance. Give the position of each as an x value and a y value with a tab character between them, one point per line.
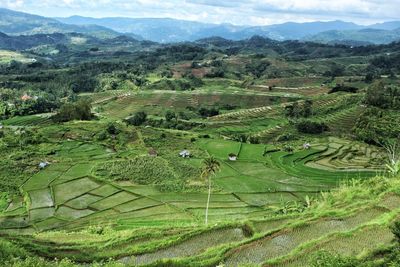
311	127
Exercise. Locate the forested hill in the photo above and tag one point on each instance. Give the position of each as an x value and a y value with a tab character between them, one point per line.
19	23
63	40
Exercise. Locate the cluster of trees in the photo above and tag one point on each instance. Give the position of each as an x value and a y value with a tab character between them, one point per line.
335	70
257	68
376	124
217	72
172	121
383	65
137	119
80	110
343	88
208	112
19	107
380	120
381	96
311	127
189	82
297	110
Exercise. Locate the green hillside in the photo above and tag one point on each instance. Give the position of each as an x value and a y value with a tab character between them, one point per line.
214	153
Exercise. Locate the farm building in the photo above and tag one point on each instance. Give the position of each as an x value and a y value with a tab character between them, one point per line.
26	97
185	154
232	157
43	164
307	146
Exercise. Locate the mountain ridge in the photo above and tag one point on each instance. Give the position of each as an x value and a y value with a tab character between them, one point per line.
20	23
168	30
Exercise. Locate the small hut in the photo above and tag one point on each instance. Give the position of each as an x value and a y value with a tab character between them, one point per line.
26	97
307	146
185	154
232	157
43	164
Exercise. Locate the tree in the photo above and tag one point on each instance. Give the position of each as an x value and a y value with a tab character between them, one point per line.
138	119
81	110
211	166
112	129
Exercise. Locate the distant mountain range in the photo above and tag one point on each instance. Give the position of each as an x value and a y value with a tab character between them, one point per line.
172	30
357	37
19	23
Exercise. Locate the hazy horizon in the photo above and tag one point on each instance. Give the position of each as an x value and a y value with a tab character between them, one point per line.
236	12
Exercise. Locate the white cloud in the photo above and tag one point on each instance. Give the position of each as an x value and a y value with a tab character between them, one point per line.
231	11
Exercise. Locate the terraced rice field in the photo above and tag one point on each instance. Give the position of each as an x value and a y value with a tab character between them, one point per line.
31	120
67	194
276	241
324	232
156	101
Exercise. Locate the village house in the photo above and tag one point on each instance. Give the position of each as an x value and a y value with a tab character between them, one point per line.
26	97
307	146
232	157
185	154
43	164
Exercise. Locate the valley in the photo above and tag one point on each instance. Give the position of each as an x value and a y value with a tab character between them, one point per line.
123	152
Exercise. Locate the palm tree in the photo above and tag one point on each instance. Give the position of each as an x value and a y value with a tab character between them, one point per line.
211	166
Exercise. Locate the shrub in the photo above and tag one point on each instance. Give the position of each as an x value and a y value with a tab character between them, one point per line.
9	251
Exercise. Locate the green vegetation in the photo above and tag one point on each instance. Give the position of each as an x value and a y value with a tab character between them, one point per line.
116	155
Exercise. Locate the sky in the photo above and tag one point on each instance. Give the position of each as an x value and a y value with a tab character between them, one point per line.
238	12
